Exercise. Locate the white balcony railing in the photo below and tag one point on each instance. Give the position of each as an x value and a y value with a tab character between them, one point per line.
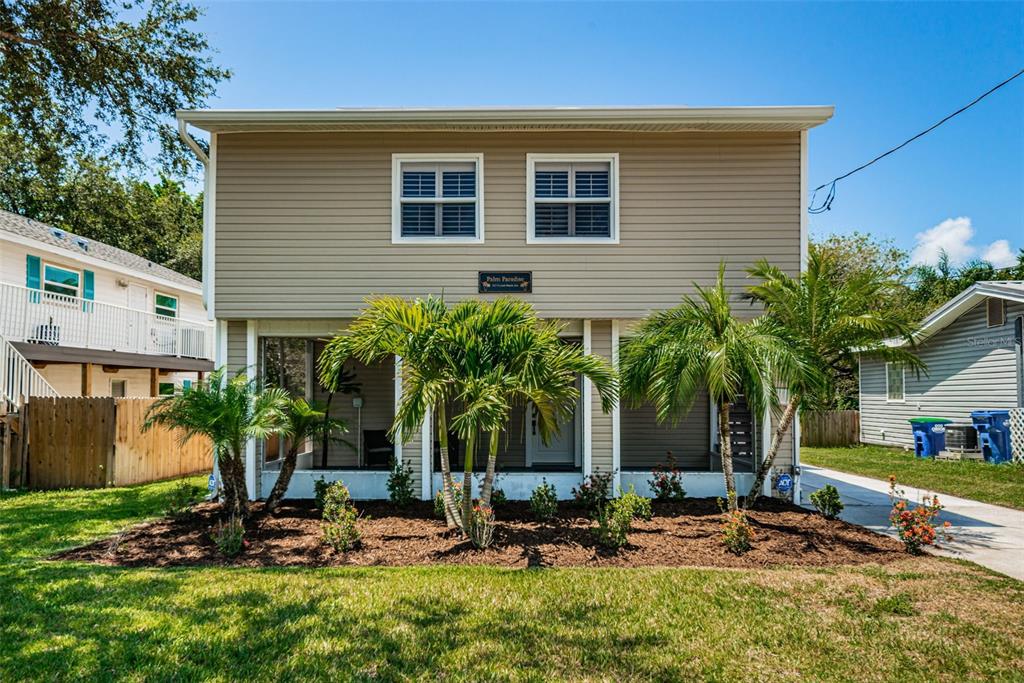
32	315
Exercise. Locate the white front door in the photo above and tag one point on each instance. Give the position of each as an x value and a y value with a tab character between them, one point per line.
138	298
560	449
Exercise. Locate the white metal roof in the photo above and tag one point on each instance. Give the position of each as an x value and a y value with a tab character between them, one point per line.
942	317
639	119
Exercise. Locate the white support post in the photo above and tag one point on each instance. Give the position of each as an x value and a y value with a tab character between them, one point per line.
588	408
616	414
251	338
426	455
796	457
804	239
398	399
766	441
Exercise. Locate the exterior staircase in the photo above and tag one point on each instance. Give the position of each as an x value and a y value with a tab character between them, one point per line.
19	380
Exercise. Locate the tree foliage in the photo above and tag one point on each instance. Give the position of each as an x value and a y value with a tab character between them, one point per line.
70	70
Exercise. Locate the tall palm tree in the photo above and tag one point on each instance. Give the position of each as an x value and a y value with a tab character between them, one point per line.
303	421
229	413
700	344
504	356
412	330
827	318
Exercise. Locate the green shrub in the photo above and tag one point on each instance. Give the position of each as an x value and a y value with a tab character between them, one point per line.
615	519
544	501
593	492
320	487
667	481
439	499
498	498
181	499
737	533
340	516
400	488
826	500
481	525
229	537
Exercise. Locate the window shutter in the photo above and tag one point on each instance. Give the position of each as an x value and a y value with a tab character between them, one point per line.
88	285
32	272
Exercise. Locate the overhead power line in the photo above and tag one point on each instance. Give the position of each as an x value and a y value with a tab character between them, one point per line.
826	205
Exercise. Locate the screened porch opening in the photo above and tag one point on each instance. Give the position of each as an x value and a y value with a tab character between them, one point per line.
691	444
366	405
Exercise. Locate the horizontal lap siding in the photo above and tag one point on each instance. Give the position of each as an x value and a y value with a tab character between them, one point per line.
645	442
303	221
963	375
237	330
600	421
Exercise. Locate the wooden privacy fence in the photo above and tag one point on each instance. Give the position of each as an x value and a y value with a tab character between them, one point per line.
830	428
94	442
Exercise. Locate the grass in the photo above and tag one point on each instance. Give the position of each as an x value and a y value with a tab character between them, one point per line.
996	484
922	619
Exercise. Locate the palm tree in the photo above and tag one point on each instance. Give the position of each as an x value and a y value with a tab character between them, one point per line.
303	421
504	356
229	412
412	331
699	344
827	318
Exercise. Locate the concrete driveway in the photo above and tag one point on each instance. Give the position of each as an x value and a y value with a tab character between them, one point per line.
990	535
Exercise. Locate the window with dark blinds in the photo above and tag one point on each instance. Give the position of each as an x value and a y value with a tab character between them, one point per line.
572	199
437	199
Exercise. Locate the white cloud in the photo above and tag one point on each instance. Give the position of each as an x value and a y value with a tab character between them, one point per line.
999	254
954	236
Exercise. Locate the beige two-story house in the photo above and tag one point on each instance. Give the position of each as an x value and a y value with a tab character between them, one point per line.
597	216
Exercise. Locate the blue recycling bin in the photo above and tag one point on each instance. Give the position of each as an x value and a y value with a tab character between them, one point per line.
993	428
929	435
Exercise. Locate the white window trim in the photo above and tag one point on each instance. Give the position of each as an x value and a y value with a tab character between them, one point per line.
396	197
895	400
80	290
177	304
611	158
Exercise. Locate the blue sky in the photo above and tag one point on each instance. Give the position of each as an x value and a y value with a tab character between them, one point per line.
891	70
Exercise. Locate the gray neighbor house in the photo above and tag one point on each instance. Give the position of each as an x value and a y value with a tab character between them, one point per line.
972	347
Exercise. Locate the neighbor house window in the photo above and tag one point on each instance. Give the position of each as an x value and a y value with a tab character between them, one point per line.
572	198
60	280
996	312
118	388
437	198
895	379
166	305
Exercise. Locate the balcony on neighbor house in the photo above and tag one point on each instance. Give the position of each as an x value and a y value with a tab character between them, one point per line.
38	317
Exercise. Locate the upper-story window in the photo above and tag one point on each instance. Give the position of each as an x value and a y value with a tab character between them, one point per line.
437	198
572	198
60	280
166	305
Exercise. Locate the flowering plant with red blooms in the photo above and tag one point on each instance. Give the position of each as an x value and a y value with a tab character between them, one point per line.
916	527
481	525
666	481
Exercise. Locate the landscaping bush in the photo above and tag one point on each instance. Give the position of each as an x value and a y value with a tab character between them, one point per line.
544	501
439	499
615	519
400	488
481	525
667	481
339	520
498	498
320	487
229	537
593	492
917	526
181	499
737	533
826	500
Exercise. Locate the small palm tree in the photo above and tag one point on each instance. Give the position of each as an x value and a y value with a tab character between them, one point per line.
229	412
303	421
827	319
700	344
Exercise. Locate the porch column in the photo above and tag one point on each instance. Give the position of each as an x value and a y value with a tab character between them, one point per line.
616	415
251	473
427	455
86	379
587	407
154	381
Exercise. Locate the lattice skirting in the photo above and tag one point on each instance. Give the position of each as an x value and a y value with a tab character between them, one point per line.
1017	433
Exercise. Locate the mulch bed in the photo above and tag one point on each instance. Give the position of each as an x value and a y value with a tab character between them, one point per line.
685	534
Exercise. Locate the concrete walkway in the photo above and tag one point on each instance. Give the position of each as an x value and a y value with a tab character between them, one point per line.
990	535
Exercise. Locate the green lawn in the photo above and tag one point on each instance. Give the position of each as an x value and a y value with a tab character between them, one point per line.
997	484
923	619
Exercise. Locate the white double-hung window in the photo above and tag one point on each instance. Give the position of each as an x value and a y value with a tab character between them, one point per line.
572	198
437	198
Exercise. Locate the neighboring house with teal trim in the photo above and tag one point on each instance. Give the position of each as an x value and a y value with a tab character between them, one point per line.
96	320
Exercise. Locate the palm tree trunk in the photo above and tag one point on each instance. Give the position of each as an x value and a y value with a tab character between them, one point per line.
492	460
780	431
284	477
232	471
725	447
467	482
450	514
